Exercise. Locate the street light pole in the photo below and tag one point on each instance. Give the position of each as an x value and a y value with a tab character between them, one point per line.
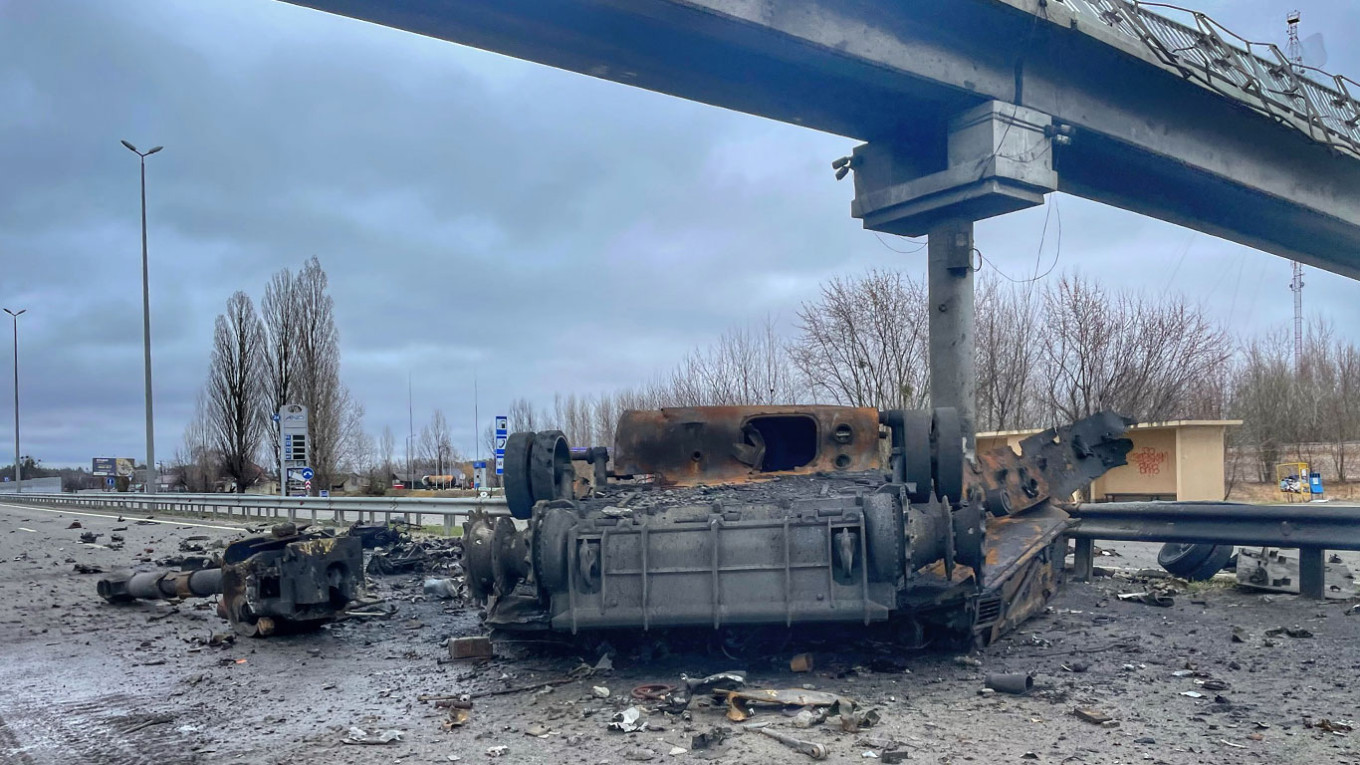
15	315
151	471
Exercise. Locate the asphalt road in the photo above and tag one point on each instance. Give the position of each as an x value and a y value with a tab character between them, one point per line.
86	682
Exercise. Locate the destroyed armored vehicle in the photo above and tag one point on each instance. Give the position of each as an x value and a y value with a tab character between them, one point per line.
719	516
286	581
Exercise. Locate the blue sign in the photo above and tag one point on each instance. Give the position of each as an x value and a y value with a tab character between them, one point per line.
479	465
307	474
7	477
108	480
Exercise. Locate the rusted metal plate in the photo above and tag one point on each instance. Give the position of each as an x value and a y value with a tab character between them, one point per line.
1054	463
731	444
1012	541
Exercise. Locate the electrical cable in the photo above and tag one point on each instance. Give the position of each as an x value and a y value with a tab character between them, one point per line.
1037	256
920	246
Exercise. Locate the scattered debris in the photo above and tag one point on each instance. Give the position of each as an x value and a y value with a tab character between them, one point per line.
1014	682
475	647
803	662
89	537
497	751
1149	597
87	568
967	661
629	720
710	738
75	525
740	702
600	692
1192	694
812	749
1093	716
444	589
360	736
1329	726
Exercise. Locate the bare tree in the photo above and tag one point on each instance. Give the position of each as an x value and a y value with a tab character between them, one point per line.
1006	328
1263	398
196	459
436	444
1125	353
235	390
279	311
747	365
863	343
318	372
521	415
387	444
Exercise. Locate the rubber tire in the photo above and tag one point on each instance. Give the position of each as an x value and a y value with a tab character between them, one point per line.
519	493
1195	563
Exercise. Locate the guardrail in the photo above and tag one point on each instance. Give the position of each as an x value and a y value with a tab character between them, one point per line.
261	506
1311	528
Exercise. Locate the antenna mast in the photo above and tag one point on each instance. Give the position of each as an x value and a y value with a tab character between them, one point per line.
1296	283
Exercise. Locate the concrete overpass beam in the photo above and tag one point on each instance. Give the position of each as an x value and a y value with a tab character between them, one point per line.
994	159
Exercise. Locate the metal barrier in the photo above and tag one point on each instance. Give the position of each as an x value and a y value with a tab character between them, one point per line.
247	506
1311	528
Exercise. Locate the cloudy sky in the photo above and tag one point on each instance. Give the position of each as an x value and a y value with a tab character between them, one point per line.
477	215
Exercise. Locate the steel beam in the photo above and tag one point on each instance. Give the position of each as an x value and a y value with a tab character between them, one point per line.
1333	527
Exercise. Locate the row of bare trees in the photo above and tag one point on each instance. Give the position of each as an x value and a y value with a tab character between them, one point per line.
288	353
1045	355
1305	409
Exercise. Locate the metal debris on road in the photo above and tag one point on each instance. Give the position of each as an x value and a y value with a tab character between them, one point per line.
475	647
1010	682
812	749
357	735
1150	598
630	720
1093	716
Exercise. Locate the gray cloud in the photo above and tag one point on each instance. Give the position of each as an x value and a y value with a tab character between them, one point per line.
477	215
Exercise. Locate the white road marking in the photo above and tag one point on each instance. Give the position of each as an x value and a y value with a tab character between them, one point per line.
115	517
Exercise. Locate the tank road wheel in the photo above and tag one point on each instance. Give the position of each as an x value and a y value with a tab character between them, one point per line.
550	470
946	441
519	493
1194	562
551	559
915	447
478	536
887	537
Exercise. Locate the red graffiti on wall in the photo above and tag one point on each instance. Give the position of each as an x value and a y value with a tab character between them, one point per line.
1149	460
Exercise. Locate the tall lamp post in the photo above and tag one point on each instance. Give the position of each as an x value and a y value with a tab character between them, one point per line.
15	315
146	330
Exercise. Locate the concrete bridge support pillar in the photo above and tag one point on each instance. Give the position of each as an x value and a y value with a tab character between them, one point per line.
953	377
990	160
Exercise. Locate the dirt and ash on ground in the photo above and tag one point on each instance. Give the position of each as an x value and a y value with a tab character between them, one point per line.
1222	675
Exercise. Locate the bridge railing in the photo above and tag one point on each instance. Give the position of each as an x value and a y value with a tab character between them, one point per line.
443	511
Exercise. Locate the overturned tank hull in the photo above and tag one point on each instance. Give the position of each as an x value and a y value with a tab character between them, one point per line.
718	516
